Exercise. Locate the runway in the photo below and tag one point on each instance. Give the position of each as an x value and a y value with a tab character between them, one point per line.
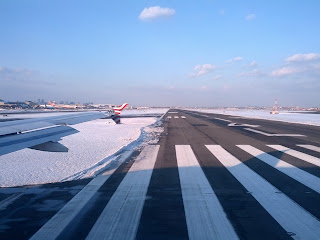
211	176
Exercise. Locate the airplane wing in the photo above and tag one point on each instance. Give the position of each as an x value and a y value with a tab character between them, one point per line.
41	133
44	133
16	126
17	142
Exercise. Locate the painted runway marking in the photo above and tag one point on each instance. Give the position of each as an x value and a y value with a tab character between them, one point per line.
203	115
176	116
7	201
172	112
294	153
169	117
224	120
310	147
54	227
183	117
121	216
204	214
274	134
237	117
301	176
285	211
241	125
59	222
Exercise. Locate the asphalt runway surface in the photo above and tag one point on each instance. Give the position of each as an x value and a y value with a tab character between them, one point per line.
210	176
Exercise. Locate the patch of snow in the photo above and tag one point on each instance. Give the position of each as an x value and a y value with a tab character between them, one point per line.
302	118
145	111
90	150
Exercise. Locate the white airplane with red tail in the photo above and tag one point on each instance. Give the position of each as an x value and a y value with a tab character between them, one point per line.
117	111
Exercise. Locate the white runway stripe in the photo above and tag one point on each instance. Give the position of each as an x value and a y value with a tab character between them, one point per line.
176	116
121	216
297	154
183	117
59	222
274	134
203	115
169	117
9	200
292	217
224	120
54	227
204	214
301	176
310	147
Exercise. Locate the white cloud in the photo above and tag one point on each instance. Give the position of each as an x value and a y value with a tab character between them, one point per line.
312	69
298	64
200	70
253	73
217	77
236	59
286	71
252	64
303	57
156	12
250	17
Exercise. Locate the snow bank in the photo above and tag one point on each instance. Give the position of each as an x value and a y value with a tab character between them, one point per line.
302	118
90	150
144	111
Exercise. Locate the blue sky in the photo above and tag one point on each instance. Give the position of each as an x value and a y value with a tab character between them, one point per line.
161	53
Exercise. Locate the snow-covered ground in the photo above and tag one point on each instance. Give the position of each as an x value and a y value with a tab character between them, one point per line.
144	111
302	118
90	150
96	145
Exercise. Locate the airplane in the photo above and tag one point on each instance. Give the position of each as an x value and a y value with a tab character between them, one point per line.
47	106
61	106
44	133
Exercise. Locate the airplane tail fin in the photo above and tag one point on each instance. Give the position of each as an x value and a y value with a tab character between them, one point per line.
117	110
51	103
